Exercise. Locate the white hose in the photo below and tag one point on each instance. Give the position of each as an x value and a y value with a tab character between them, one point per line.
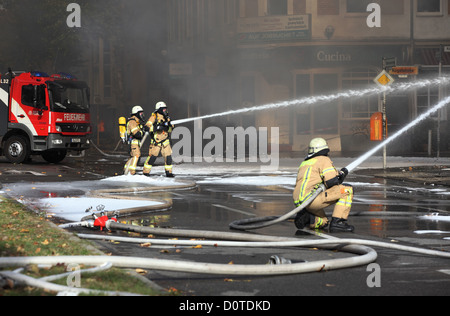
24	279
103	267
274	244
77	224
199	267
260	222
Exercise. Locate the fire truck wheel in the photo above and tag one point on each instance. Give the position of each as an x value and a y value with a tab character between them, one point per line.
17	149
54	156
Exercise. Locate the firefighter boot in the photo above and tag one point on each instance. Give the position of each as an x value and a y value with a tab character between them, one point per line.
302	219
169	174
340	225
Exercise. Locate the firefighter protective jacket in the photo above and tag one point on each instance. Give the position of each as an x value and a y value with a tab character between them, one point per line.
312	172
134	129
160	127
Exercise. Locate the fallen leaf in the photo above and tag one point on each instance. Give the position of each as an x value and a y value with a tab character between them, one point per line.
45	242
147	244
198	247
141	271
173	290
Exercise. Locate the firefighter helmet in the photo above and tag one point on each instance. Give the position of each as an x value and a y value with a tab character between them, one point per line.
160	105
138	111
316	145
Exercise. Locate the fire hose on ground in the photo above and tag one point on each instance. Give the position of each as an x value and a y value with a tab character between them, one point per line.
364	255
260	222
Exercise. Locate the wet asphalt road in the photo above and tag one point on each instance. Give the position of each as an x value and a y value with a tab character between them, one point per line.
386	210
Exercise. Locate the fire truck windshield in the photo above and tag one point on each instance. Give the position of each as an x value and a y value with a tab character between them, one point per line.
68	96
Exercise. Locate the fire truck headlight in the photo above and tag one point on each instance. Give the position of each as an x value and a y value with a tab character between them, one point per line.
58	128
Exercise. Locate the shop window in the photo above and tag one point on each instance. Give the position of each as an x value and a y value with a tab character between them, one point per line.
358	108
326	115
426	98
277	7
303	115
429	6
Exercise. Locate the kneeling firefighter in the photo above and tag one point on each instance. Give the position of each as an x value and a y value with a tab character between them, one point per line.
318	168
136	133
160	127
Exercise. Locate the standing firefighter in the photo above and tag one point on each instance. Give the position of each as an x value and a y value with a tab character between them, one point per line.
136	133
160	127
318	168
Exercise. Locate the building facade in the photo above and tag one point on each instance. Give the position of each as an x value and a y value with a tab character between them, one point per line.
227	54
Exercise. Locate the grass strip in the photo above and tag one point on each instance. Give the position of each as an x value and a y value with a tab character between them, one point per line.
25	233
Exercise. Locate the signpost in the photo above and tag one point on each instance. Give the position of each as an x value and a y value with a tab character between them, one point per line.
384	79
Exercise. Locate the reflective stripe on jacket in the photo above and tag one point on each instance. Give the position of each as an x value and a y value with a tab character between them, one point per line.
134	127
311	173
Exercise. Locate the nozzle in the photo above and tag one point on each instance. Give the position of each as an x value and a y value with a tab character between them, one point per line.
279	260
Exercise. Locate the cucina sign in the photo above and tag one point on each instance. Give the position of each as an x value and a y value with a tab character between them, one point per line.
324	56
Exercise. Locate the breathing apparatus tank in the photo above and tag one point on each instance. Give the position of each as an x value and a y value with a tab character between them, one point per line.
123	129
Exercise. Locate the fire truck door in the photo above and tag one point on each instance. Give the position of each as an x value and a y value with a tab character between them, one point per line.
32	110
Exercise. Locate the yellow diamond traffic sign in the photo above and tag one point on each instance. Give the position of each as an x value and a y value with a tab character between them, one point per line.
384	79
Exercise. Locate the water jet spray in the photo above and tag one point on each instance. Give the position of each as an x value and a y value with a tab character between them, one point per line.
306	101
419	119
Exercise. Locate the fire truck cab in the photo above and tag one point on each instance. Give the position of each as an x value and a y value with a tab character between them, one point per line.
43	115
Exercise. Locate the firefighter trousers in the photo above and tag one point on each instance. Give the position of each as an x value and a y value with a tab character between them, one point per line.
130	166
339	195
155	149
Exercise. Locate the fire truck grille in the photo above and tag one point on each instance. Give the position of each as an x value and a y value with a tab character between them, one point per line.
74	128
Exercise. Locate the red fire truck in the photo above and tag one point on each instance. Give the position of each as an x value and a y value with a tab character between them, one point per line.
43	115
